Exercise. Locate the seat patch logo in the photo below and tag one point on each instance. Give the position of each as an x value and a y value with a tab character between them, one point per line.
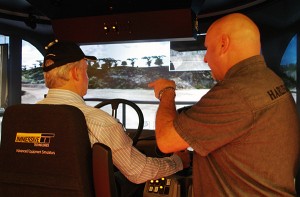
41	140
38	139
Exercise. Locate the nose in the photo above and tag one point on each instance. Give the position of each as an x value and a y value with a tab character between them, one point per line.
205	60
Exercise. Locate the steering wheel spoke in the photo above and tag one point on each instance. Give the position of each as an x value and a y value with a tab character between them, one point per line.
115	103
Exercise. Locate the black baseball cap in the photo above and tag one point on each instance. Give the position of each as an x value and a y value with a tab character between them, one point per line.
62	53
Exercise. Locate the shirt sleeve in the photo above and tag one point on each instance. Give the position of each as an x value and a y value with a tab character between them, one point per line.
137	167
220	117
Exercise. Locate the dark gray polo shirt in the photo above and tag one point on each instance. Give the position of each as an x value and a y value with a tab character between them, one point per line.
244	133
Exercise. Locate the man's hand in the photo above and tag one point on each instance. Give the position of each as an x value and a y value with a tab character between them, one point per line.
185	157
161	84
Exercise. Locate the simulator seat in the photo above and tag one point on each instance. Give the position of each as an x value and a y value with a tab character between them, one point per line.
45	151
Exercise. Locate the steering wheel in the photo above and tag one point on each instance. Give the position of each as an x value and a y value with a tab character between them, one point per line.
115	104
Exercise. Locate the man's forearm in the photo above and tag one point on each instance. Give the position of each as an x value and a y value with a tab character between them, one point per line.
166	112
166	134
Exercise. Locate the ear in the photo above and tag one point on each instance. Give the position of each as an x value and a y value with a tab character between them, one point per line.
225	41
75	73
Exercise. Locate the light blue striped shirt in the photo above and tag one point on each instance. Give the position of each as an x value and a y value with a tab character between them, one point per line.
137	167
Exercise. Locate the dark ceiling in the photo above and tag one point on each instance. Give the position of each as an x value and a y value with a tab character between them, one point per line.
54	9
36	17
44	10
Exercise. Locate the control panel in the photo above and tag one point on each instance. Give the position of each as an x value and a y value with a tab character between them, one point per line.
162	187
172	186
177	185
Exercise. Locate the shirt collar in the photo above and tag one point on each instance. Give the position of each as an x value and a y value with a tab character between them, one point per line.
254	62
66	94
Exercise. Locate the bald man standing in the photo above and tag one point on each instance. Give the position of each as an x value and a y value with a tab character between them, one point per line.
244	131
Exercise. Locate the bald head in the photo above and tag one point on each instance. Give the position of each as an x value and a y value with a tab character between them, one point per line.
233	38
240	28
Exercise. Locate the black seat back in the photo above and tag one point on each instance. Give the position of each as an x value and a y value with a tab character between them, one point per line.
45	151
